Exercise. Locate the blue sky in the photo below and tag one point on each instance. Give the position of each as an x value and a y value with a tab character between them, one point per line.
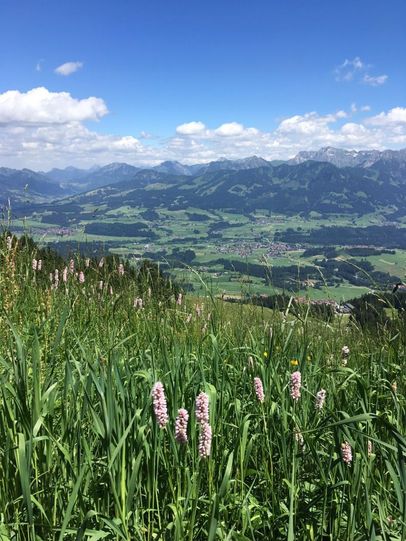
146	81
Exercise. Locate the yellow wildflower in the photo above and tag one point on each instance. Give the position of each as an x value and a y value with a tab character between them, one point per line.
265	354
294	362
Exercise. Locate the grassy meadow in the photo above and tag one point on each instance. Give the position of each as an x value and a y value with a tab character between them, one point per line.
87	453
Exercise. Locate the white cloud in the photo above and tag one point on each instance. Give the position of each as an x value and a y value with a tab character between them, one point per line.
230	129
38	66
365	108
377	80
397	115
191	128
357	70
348	69
40	129
68	68
40	106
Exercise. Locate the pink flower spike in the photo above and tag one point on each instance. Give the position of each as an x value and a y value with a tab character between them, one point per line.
202	408
181	426
259	389
205	440
346	453
295	385
159	403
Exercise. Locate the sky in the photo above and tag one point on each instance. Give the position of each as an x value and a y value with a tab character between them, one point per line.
87	83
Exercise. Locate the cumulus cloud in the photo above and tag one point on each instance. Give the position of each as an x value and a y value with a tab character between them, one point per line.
394	116
68	68
40	106
230	129
40	129
377	80
191	128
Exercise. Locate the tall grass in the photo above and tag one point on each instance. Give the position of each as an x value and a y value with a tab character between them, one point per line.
83	458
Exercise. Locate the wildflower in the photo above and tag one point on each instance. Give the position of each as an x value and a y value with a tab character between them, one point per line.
34	264
320	399
81	277
259	389
189	318
295	385
346	453
138	303
39	266
369	448
202	408
250	362
159	403
65	275
345	352
111	290
199	310
265	354
394	387
181	426
101	284
299	437
149	292
121	270
294	362
205	440
51	277
87	262
71	266
9	243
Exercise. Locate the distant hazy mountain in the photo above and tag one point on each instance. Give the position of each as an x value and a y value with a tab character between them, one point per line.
323	180
69	174
287	188
350	158
27	185
222	164
173	168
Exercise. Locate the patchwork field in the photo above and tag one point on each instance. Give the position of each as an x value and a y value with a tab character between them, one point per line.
219	244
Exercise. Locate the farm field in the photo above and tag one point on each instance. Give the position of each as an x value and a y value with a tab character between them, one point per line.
131	412
204	240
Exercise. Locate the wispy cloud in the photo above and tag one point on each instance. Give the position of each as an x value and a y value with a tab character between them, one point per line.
377	80
349	69
38	66
357	70
68	68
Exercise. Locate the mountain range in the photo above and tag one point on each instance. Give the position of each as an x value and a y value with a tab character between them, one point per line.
325	181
